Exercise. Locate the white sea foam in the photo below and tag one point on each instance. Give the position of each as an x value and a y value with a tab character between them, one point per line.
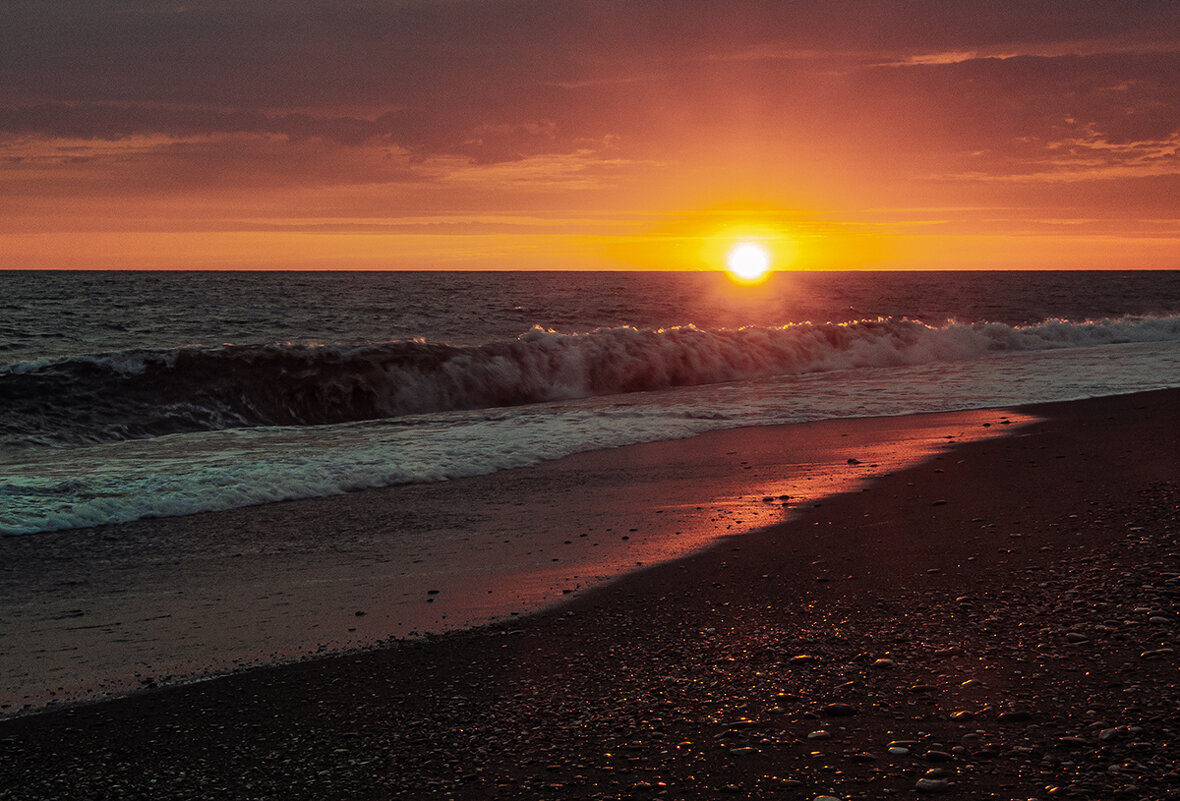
136	394
186	473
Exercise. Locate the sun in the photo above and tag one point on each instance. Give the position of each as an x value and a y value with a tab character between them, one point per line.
748	261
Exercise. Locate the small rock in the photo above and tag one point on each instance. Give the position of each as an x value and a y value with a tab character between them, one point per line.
1158	653
932	785
1014	716
820	734
839	710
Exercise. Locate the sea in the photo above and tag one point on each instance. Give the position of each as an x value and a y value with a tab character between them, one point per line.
126	395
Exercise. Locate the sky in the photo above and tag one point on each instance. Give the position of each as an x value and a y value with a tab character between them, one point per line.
589	134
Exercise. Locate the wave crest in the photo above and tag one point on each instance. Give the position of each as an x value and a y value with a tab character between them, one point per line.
144	393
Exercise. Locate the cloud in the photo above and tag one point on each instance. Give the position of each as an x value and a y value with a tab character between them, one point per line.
115	121
1118	45
840	101
221	162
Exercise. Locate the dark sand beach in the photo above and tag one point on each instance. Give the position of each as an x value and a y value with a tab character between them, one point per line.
996	622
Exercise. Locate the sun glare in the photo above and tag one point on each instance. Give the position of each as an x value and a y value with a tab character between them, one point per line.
748	261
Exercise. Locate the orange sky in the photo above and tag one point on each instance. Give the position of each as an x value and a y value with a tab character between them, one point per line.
489	134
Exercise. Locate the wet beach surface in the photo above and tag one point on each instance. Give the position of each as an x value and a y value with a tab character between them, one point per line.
998	622
99	612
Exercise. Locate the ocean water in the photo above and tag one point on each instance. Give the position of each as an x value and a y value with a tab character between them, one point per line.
128	394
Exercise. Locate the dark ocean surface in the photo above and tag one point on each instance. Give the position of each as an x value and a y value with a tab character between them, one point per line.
133	394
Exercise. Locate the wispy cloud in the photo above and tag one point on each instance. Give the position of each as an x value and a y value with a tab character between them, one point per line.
1091	47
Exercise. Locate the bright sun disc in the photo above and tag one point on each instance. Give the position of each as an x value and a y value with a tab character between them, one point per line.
748	261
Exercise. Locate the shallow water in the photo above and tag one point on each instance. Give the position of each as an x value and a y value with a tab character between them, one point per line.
130	395
106	611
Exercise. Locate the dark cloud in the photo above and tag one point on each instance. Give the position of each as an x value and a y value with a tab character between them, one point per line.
299	54
502	80
108	121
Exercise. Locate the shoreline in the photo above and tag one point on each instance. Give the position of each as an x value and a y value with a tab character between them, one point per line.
128	606
1002	613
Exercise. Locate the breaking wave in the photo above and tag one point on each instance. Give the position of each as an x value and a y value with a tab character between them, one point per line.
145	393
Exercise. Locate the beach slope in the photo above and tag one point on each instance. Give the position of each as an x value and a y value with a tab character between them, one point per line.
996	622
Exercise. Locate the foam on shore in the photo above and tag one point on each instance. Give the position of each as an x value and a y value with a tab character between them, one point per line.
184	597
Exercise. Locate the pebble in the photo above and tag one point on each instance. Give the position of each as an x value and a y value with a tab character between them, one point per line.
839	710
932	785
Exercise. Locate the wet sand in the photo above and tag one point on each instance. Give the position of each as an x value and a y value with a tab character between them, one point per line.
105	611
996	622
